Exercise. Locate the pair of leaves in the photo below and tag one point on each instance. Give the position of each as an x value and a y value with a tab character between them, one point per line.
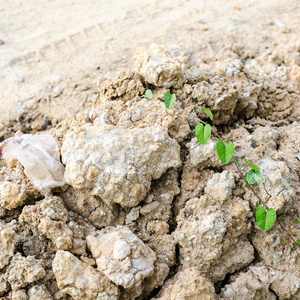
265	218
225	152
169	99
203	133
254	176
148	94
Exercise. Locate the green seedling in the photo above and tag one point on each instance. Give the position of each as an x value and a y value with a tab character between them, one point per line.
148	94
203	133
225	152
254	174
169	99
207	111
265	218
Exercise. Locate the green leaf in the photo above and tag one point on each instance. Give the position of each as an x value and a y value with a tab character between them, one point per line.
256	204
208	112
254	176
298	220
279	221
237	160
299	242
148	94
265	219
225	152
254	167
246	185
203	133
169	99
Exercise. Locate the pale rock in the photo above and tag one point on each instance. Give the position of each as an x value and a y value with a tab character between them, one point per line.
276	249
8	242
19	295
227	92
253	284
187	284
220	186
39	292
211	239
274	101
80	280
276	192
4	285
164	246
15	187
118	164
289	144
121	250
266	136
133	215
121	256
24	270
158	67
203	156
148	208
12	195
126	87
93	208
52	219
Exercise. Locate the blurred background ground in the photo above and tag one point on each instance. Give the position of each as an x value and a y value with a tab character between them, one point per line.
46	43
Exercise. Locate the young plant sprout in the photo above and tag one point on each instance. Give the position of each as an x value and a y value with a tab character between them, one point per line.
265	217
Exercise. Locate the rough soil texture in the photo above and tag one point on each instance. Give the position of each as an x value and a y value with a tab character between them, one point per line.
146	211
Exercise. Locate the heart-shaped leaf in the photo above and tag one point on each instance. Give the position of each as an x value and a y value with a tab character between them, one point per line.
208	112
254	176
169	99
203	133
225	152
265	219
148	94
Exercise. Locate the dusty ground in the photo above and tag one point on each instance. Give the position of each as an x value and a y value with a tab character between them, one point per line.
46	42
143	210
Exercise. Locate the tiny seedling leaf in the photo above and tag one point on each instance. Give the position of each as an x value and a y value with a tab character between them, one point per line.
169	99
203	133
298	220
225	152
148	94
246	185
279	221
265	219
208	112
254	176
254	167
299	242
256	204
237	160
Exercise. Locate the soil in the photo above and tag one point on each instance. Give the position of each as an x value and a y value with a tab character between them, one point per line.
77	70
